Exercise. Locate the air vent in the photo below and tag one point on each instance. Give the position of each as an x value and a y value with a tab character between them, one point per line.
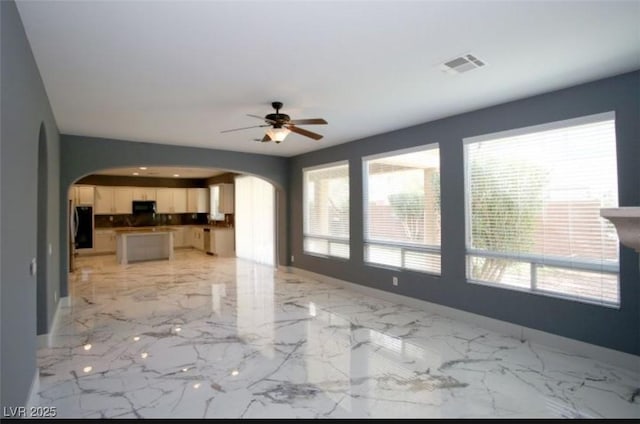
462	64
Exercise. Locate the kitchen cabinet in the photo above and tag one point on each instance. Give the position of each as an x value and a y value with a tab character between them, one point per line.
188	236
222	242
104	241
144	193
197	238
226	198
171	200
113	200
197	200
179	237
82	195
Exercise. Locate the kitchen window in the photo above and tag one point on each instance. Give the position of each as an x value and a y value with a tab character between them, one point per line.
402	209
533	199
326	210
214	203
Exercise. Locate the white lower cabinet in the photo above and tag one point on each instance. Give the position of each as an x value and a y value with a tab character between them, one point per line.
197	238
104	241
180	237
222	242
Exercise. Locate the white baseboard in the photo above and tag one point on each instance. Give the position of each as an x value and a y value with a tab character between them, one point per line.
34	392
45	340
610	356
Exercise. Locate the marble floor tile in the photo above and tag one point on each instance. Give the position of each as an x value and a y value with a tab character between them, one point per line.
205	337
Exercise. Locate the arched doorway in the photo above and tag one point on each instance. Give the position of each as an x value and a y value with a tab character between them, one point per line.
42	249
79	158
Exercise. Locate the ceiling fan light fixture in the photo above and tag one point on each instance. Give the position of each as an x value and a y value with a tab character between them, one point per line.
278	134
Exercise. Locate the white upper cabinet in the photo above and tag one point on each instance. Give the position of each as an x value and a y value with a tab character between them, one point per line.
144	193
197	200
103	200
171	200
82	195
122	200
226	198
113	200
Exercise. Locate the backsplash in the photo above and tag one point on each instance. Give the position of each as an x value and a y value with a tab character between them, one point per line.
149	220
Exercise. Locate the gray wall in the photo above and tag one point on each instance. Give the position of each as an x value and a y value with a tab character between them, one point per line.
25	107
613	328
81	156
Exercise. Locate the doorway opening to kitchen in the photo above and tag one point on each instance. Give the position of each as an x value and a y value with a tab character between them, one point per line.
212	211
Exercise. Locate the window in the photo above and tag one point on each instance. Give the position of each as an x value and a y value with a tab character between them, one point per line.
326	210
214	203
402	208
533	209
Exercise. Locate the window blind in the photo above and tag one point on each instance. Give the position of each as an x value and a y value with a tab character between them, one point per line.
255	219
402	207
533	209
326	210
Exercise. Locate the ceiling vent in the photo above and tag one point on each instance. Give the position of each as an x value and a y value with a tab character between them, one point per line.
462	64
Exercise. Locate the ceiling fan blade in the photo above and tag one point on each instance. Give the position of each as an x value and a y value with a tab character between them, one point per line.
306	133
312	121
263	118
245	128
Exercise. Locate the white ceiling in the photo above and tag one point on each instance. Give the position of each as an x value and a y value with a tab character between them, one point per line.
179	72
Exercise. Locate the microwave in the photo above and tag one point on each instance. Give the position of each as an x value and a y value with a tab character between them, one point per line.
143	206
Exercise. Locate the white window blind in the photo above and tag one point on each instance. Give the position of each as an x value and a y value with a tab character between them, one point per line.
255	219
326	210
402	208
533	209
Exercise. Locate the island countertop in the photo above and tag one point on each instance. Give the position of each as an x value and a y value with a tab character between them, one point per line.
133	230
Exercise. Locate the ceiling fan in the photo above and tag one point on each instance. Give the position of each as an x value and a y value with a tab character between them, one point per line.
281	124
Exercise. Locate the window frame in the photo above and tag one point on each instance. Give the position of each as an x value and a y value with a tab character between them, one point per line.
403	246
536	260
327	239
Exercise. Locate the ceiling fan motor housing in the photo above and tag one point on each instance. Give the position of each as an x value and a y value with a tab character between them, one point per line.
279	118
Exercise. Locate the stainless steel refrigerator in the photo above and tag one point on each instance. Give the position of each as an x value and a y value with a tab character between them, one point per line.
83	227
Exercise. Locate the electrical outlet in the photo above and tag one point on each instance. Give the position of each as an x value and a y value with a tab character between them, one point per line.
395	281
292	259
50	249
111	218
55	296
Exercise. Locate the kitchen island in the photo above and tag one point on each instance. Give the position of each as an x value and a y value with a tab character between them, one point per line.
144	244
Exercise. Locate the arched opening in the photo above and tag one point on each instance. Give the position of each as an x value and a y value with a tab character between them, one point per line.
43	244
135	178
80	158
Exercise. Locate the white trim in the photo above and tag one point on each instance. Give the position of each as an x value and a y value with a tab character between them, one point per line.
613	357
548	126
405	151
325	166
33	399
46	340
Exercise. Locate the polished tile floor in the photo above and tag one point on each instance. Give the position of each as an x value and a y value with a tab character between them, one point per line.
220	337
